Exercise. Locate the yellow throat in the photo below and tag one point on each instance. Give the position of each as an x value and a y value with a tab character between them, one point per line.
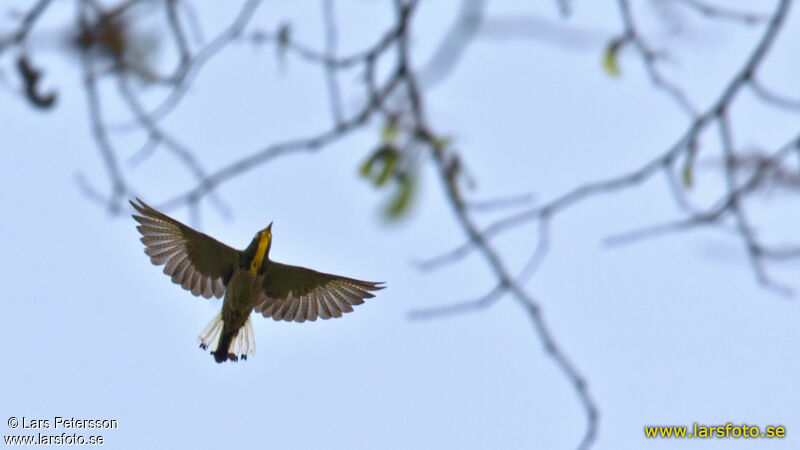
263	242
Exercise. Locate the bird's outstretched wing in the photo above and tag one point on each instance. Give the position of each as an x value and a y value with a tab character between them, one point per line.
196	261
298	294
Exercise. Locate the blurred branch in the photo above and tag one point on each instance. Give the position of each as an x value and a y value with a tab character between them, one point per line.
176	28
650	57
18	36
157	136
685	144
331	37
189	66
281	38
763	173
499	203
772	98
718	12
564	7
455	42
273	151
100	133
541	30
472	22
448	164
457	308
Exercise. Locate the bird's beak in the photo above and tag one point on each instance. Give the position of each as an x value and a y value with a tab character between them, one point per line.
269	227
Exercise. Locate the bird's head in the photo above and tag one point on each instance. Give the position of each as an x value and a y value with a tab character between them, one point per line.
258	250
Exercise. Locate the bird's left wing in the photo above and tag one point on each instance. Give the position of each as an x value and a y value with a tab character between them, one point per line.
293	293
196	261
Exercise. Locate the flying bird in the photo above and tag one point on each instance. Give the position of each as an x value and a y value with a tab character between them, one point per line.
248	280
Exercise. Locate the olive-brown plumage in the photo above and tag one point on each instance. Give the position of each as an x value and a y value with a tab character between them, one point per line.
247	279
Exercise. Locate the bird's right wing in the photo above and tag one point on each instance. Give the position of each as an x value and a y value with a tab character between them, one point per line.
298	294
196	261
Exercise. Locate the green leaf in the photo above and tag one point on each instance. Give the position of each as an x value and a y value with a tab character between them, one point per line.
400	203
687	174
389	131
366	166
610	56
389	163
442	142
380	165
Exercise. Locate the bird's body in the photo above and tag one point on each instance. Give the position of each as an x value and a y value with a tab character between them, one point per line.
241	295
247	279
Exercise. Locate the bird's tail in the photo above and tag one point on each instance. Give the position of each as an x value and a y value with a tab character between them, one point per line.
226	344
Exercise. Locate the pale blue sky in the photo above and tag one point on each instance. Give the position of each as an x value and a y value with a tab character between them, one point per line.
673	330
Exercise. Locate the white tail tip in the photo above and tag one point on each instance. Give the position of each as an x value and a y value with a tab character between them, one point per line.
243	344
209	337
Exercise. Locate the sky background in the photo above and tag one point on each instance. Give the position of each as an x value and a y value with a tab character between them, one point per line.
669	331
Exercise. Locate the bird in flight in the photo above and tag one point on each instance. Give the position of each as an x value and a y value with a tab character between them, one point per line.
248	280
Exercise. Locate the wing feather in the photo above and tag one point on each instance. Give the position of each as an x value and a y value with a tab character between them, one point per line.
312	308
335	311
293	293
194	260
341	303
324	310
302	309
290	309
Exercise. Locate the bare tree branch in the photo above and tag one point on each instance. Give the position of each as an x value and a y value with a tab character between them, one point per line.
460	307
716	12
665	161
331	38
100	133
650	58
446	162
18	36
